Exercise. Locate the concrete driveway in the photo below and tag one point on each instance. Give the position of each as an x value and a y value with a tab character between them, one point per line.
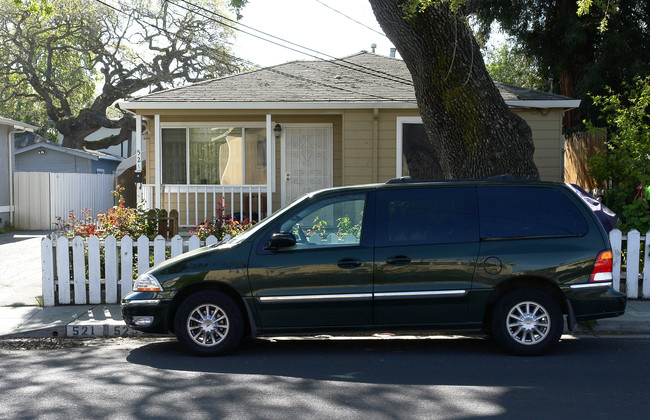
20	268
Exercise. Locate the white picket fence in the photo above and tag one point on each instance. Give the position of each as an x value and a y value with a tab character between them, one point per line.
65	283
634	280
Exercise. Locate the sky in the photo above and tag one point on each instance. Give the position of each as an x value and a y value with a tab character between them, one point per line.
311	24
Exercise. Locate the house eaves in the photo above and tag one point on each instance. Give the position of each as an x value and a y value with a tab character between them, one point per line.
566	104
81	153
265	105
17	125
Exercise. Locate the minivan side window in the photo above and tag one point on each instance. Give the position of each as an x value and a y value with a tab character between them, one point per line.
516	212
420	216
335	221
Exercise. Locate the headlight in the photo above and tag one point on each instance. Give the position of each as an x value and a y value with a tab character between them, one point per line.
146	283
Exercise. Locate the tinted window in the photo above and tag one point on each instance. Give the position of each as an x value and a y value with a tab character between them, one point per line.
419	216
511	212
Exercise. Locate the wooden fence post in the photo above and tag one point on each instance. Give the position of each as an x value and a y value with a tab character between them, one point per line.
110	268
126	260
158	250
177	246
194	243
94	271
143	254
47	269
645	293
616	239
79	270
63	269
632	267
211	240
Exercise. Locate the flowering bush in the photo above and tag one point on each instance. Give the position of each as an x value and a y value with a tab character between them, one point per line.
221	225
118	221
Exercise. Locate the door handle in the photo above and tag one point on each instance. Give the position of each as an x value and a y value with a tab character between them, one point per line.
399	260
288	176
349	263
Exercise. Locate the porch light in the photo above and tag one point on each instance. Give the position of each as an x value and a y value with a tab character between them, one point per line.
277	130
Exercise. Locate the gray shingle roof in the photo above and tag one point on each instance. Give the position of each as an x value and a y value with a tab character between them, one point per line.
363	77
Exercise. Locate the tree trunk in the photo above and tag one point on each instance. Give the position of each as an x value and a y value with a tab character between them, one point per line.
467	121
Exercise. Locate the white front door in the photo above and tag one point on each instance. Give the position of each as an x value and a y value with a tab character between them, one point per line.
307	160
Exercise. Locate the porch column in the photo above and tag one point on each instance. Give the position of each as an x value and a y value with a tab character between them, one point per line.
138	157
270	164
158	160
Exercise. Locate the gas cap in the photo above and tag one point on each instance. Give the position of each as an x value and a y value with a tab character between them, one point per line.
492	265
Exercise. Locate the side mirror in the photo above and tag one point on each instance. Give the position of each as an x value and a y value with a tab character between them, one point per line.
280	240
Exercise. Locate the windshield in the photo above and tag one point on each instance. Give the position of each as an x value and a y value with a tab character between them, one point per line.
248	233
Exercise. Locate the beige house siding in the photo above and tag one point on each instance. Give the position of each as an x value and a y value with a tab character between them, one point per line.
546	125
369	138
364	143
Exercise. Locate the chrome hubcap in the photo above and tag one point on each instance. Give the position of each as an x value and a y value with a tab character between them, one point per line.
528	323
207	325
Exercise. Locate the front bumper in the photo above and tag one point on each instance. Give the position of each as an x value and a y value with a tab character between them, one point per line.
596	302
155	310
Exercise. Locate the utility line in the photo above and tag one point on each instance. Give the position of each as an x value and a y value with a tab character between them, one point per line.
338	62
352	19
271	69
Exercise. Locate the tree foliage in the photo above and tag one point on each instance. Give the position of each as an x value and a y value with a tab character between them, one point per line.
571	48
507	64
623	170
75	58
469	126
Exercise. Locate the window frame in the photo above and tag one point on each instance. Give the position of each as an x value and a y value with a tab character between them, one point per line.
220	124
399	142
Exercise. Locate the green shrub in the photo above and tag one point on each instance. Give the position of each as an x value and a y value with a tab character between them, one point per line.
623	170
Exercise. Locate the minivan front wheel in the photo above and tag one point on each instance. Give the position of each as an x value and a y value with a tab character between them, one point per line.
527	322
209	323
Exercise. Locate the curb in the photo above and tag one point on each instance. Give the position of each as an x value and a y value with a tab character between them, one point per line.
94	329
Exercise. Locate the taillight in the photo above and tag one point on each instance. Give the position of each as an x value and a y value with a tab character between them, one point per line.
603	267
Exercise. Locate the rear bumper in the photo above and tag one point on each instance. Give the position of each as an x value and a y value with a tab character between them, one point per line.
596	302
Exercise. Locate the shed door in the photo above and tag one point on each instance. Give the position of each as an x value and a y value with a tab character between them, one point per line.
307	160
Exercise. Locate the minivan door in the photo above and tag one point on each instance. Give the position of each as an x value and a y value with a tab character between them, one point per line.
325	280
426	245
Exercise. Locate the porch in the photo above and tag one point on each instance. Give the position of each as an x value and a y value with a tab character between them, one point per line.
195	203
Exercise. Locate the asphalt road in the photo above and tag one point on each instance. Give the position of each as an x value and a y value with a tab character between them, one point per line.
451	378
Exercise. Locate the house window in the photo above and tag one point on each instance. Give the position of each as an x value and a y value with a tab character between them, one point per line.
405	128
214	155
174	169
412	141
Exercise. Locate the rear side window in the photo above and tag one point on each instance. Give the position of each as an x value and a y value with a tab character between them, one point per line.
516	212
419	216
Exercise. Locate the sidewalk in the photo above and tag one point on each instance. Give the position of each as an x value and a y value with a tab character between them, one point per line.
106	321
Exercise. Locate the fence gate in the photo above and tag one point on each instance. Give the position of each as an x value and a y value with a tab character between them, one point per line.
41	197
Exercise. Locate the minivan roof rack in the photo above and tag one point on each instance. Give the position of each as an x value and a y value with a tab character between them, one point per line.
408	179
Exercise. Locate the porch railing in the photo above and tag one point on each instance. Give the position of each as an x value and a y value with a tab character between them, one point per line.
198	202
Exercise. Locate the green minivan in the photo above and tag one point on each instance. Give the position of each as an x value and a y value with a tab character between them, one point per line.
507	257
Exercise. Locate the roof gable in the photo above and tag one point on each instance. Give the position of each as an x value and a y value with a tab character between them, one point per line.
360	80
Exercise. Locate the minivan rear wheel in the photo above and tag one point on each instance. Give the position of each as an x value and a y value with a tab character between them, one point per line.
527	322
209	323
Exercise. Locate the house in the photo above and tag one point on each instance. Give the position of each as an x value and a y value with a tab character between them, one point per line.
258	140
47	156
8	128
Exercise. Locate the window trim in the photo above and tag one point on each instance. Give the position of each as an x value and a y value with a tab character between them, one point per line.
399	141
218	124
